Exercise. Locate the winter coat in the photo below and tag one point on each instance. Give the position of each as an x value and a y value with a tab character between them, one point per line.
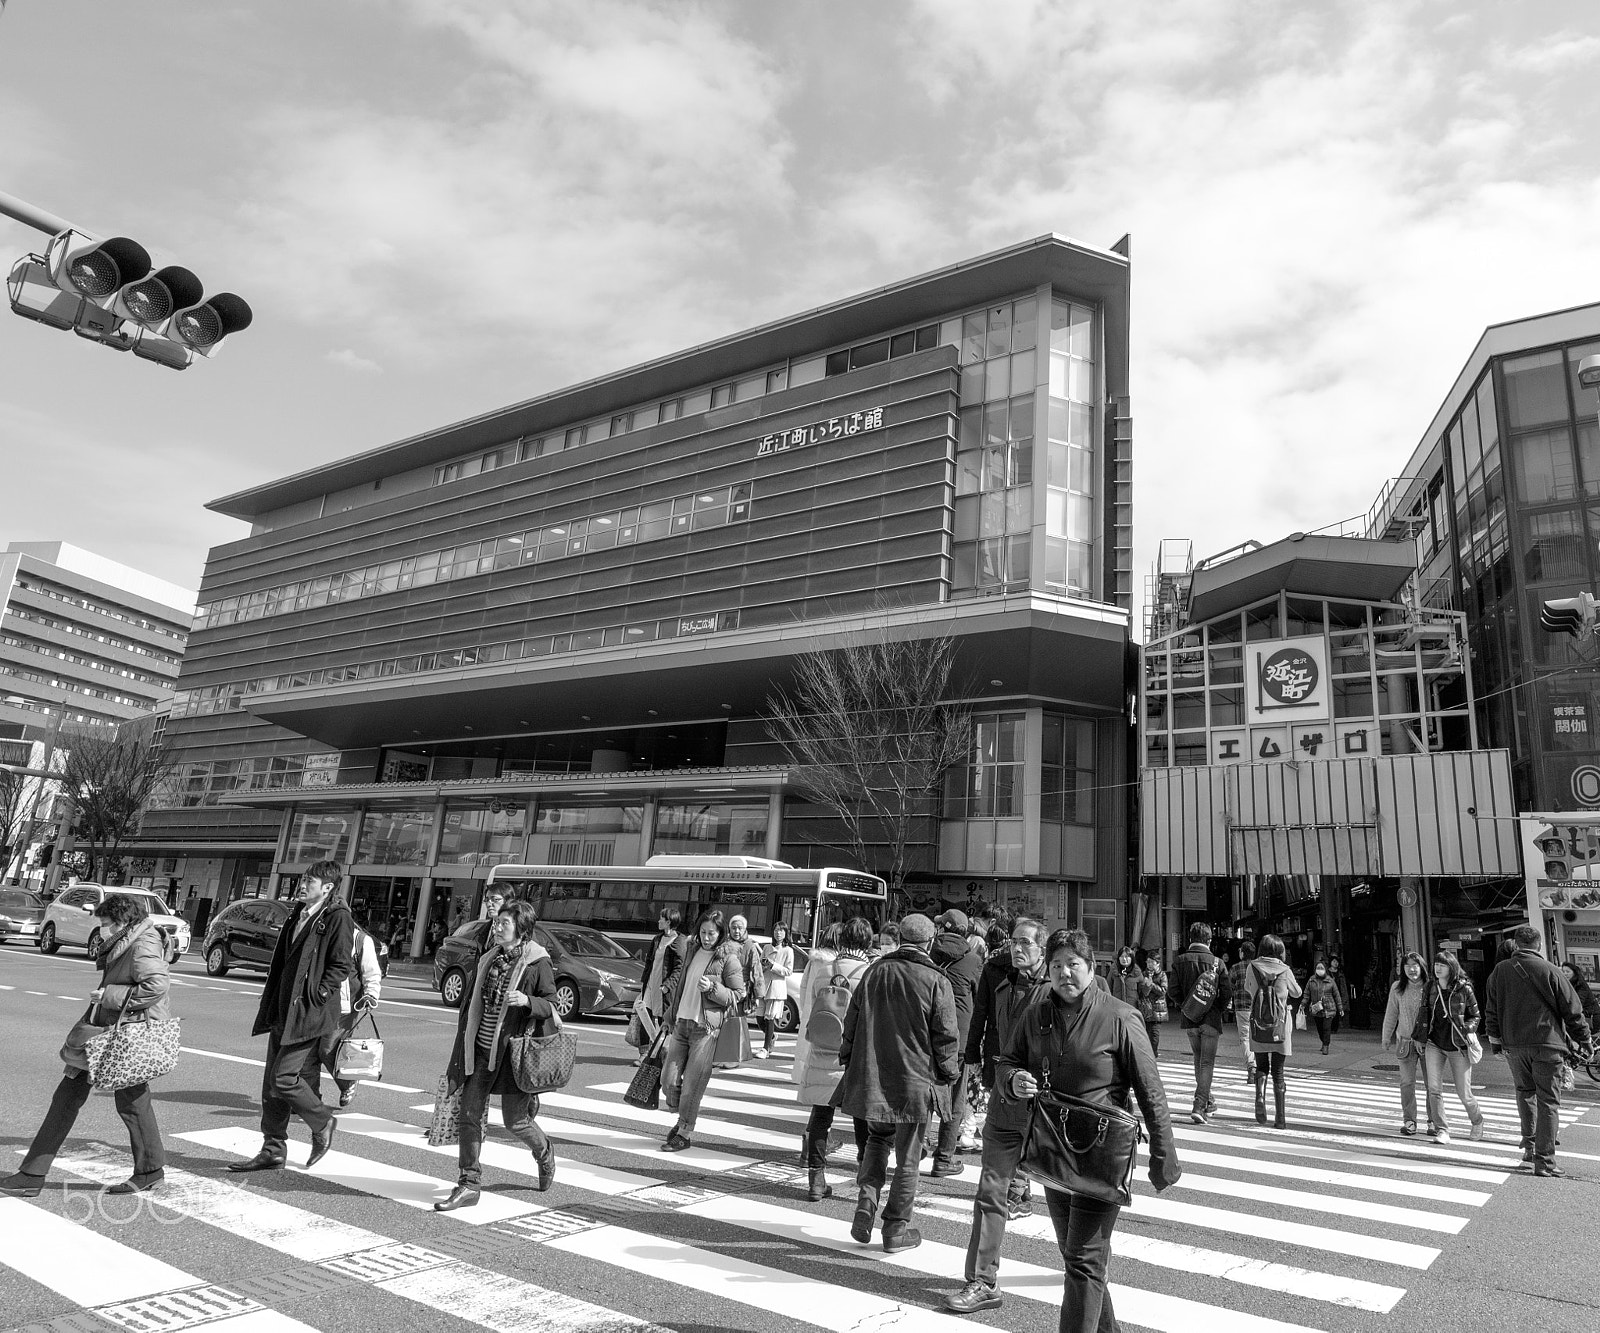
300	1001
1323	991
755	977
367	979
1400	1015
1100	1052
1001	996
1187	968
900	1052
818	1078
1131	987
727	989
1282	980
1587	1002
777	961
532	974
676	952
954	955
1458	1003
1530	1003
133	980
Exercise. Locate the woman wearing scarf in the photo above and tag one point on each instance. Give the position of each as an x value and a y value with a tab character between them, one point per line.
704	996
514	990
133	986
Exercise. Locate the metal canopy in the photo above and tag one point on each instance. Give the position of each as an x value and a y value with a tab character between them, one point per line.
1343	568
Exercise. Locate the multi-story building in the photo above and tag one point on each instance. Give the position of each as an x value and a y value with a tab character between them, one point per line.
551	632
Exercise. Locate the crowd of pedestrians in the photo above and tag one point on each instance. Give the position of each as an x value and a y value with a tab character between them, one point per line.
933	1036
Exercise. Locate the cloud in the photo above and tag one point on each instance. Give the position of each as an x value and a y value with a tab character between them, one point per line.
351	360
1559	52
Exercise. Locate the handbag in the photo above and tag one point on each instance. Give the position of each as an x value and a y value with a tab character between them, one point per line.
1078	1146
359	1057
127	1054
644	1089
445	1127
542	1064
73	1052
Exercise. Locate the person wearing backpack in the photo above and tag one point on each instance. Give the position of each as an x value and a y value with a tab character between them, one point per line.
1201	992
955	957
358	997
1323	1004
825	991
1241	1004
1444	1031
1271	985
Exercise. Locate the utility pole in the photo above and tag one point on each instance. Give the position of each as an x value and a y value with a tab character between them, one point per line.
30	215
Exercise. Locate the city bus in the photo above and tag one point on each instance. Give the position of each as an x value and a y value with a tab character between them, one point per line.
625	901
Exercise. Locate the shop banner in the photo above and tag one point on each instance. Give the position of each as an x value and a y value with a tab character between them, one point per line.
1289	680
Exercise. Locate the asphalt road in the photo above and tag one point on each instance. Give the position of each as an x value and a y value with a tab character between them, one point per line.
730	1244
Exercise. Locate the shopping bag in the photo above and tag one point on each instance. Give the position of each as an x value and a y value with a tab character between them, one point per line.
129	1053
644	1090
542	1064
359	1057
445	1127
1299	1020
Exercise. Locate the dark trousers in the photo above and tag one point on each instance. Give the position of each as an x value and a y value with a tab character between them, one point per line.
1153	1031
328	1053
1534	1069
906	1139
944	1150
1203	1041
289	1087
1083	1232
1000	1183
517	1109
1325	1026
133	1105
1270	1062
817	1128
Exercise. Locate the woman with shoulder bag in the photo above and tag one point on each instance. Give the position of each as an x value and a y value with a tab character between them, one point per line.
1270	972
133	987
1078	1041
777	960
1445	1030
705	995
512	993
1399	1021
1322	1003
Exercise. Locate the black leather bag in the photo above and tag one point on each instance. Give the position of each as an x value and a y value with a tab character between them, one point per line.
542	1064
644	1090
1078	1146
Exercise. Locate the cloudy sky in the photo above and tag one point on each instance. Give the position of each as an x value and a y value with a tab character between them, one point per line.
440	208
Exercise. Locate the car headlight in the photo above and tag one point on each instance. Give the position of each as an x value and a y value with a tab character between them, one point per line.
610	979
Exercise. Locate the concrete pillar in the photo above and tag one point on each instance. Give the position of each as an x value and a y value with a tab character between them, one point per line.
775	826
419	928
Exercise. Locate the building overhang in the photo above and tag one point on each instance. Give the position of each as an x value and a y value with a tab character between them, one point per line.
1342	568
1024	646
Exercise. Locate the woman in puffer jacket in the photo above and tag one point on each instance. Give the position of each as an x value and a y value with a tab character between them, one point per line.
1449	1016
816	1049
705	993
1399	1019
1322	1002
133	987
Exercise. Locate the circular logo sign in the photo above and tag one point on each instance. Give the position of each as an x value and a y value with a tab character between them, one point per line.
1289	676
1586	785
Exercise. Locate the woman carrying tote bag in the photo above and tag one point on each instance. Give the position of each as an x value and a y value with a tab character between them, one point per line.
133	987
514	991
1080	1042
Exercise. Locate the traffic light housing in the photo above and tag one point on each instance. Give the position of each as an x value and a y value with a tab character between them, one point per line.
1570	615
109	291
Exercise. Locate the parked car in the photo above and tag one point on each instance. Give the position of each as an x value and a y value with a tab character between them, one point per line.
790	1022
20	914
244	934
594	974
71	919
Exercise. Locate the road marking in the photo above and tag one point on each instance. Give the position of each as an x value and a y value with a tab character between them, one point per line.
715	1103
39	993
715	1129
76	999
1411	1189
1352	1243
1263	1143
1253	1191
80	1264
261	1064
619	1140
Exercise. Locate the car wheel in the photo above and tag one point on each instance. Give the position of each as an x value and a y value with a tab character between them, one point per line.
566	1000
91	946
453	987
217	961
47	938
790	1022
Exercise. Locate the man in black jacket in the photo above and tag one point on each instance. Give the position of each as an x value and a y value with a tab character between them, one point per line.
299	1007
1532	1011
954	955
1205	1029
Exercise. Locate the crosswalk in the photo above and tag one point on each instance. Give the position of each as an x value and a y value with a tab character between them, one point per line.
1267	1232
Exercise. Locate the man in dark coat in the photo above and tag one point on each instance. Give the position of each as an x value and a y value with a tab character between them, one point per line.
954	955
900	1055
1531	1011
299	1007
1204	1032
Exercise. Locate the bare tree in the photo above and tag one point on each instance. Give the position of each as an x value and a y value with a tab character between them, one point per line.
868	728
13	817
110	776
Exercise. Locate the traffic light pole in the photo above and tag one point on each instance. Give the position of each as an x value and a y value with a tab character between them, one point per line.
20	210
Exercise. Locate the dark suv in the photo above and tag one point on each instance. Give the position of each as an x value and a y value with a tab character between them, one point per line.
594	973
244	934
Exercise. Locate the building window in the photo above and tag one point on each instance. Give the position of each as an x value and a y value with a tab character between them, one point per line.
1066	760
1069	506
395	837
711	828
572	834
622	423
721	396
485	835
320	835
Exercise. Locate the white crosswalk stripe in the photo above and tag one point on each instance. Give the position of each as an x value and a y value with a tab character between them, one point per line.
1333	1212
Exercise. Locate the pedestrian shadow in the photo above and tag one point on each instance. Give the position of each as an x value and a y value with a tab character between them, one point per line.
222	1103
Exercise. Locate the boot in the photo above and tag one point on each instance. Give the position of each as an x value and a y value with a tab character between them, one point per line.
817	1187
1278	1091
547	1167
805	1151
1261	1101
866	1214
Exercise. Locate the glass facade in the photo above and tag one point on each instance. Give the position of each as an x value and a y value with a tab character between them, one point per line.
486	834
711	828
396	837
579	833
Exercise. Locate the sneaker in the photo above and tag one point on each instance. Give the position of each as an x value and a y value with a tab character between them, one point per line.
901	1238
1477	1132
1198	1118
1211	1107
976	1295
1547	1169
346	1096
762	1054
1017	1209
1409	1129
676	1142
967	1143
1441	1136
861	1224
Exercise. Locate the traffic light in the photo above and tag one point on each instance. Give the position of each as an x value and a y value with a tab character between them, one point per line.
109	291
1570	615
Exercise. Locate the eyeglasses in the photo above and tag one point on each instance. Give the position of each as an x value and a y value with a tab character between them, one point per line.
1023	942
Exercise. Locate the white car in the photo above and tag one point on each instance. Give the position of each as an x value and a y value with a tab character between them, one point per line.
71	919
